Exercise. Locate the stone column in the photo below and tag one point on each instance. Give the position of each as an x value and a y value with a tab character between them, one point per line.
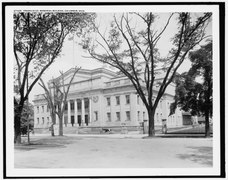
90	110
83	111
68	112
133	112
75	112
56	116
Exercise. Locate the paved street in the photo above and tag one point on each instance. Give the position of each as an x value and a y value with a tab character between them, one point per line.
114	151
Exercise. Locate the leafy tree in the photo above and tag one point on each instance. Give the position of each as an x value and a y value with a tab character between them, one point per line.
56	97
132	49
27	113
38	40
196	96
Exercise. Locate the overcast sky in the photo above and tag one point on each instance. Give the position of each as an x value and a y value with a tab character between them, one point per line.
72	54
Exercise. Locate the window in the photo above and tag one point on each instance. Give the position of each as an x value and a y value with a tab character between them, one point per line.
126	81
116	83
117	116
95	116
127	99
79	105
138	99
71	105
47	108
144	115
66	107
38	121
108	84
160	104
109	116
42	120
128	116
42	108
138	115
108	101
48	120
117	100
37	109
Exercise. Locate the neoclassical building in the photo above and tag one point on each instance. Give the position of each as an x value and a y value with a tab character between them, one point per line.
101	97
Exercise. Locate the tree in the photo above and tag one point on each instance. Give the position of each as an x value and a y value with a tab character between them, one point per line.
28	113
56	97
196	96
38	40
132	49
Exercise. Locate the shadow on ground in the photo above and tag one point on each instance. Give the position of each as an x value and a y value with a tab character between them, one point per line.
46	143
202	155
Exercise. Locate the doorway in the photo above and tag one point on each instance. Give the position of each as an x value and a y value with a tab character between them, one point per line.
79	120
86	120
72	120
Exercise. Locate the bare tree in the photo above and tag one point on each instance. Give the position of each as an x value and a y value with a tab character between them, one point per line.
38	40
56	97
134	51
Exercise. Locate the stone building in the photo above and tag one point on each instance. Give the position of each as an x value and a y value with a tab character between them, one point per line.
101	97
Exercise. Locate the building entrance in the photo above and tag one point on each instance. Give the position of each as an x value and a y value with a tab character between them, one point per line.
72	120
86	120
79	120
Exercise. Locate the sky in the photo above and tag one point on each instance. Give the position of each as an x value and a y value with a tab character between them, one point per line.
73	55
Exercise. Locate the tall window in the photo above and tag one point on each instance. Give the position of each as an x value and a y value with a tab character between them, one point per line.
160	104
128	117
38	121
109	116
66	107
37	109
42	108
79	105
71	105
48	120
42	120
117	116
127	99
138	99
138	115
47	108
108	101
95	116
117	100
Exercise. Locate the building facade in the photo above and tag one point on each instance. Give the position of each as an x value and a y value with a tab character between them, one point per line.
100	97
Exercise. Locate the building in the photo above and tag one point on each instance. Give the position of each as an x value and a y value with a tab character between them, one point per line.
101	97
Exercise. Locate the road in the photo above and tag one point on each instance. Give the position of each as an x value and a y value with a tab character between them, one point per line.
112	151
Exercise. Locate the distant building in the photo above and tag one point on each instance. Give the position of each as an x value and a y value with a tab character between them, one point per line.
101	97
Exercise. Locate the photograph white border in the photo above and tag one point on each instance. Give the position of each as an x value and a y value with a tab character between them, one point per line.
11	171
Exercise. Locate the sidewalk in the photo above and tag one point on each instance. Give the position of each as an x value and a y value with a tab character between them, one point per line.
133	135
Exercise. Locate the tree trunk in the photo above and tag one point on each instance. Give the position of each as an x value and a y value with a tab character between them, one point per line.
17	125
17	129
207	125
151	130
52	126
60	126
